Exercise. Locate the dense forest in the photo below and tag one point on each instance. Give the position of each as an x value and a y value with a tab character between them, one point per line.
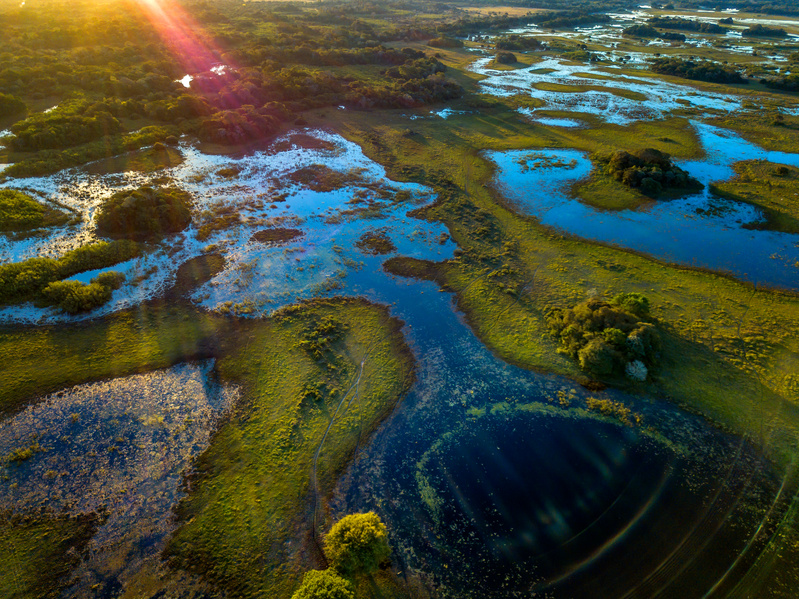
704	70
112	81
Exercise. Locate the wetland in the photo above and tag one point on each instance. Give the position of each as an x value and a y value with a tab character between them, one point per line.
265	266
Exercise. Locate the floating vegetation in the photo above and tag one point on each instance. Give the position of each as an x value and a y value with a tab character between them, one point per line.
376	243
276	236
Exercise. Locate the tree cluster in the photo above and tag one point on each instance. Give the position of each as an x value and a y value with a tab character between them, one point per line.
518	43
763	31
649	170
649	31
608	339
704	70
144	213
25	280
686	25
356	545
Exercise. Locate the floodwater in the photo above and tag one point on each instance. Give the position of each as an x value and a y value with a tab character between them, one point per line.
117	448
697	230
657	98
490	478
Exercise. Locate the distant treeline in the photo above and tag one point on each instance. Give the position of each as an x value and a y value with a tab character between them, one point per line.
111	75
550	20
686	25
761	31
650	32
699	70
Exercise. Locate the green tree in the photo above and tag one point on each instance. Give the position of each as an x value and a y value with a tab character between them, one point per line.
357	543
323	584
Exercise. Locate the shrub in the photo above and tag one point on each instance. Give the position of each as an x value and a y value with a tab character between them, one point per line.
111	279
323	584
75	297
605	337
144	213
505	58
19	211
357	543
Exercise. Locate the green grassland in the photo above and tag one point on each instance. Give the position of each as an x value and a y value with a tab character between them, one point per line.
39	553
254	490
21	212
771	187
732	350
247	520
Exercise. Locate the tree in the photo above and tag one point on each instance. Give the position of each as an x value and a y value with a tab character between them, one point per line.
323	584
357	543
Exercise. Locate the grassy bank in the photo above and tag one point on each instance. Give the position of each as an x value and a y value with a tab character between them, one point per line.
771	187
39	553
732	351
249	516
248	523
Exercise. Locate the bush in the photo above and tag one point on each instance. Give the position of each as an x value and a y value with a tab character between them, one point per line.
19	211
607	337
323	584
111	279
505	58
145	213
11	105
75	297
357	543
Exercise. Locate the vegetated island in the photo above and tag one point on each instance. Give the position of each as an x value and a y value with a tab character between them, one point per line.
771	187
704	70
144	213
650	171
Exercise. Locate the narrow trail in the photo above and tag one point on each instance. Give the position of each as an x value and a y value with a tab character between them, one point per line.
353	389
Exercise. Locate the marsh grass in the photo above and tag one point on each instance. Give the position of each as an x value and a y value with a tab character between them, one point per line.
771	187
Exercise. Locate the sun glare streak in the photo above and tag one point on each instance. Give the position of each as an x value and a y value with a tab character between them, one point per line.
180	33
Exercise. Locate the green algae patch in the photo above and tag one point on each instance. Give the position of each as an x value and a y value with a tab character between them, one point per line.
774	188
316	379
38	553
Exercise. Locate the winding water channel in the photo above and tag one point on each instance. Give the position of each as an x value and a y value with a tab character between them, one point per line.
488	476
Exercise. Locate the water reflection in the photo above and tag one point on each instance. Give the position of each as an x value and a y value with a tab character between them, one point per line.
697	230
